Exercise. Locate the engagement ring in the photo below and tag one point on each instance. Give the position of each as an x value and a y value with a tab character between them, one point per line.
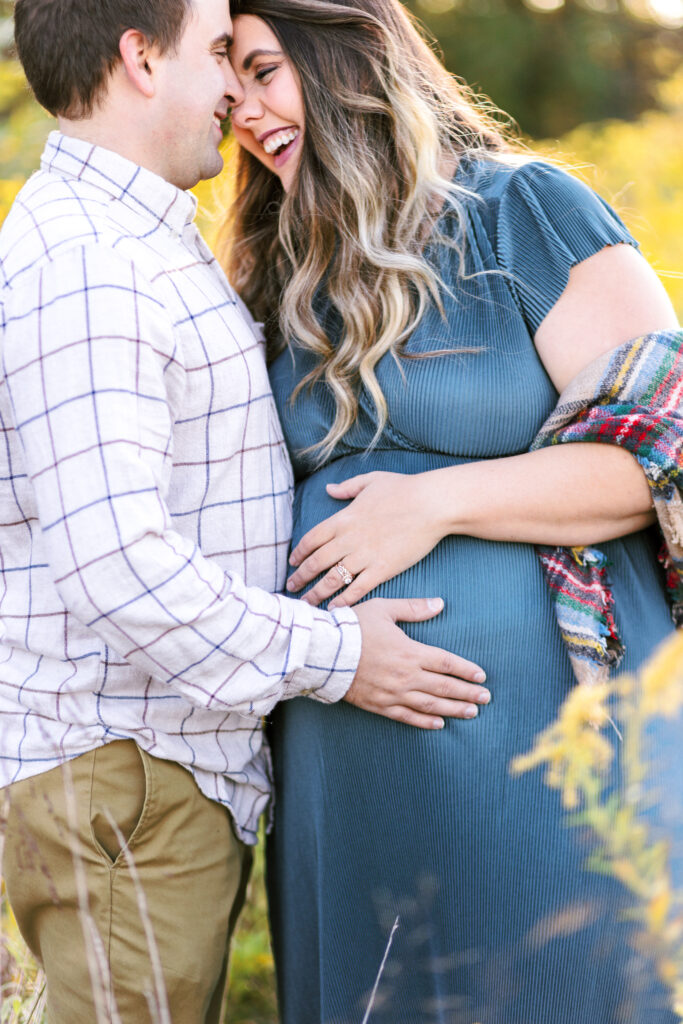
344	573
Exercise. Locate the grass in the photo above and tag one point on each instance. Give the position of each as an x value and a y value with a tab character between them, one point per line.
251	992
572	750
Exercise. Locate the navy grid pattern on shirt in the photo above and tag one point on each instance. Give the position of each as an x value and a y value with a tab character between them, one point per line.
145	499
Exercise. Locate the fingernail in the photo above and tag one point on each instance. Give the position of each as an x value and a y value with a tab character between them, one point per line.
484	697
479	677
435	604
290	585
471	711
438	723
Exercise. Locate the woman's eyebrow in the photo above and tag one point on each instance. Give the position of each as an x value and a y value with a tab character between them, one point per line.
250	57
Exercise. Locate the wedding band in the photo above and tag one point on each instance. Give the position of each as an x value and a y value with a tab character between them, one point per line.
344	573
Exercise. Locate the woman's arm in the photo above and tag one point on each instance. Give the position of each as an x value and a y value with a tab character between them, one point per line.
576	493
610	298
569	494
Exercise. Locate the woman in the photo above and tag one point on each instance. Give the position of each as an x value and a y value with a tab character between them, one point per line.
427	291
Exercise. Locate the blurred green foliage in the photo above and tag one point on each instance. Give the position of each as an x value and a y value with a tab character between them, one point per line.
638	167
552	64
251	993
577	61
23	124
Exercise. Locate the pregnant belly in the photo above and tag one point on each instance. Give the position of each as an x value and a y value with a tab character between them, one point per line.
493	592
497	608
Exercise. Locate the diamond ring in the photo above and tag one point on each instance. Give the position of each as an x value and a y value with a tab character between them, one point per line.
344	573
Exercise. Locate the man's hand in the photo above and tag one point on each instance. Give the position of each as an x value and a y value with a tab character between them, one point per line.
408	681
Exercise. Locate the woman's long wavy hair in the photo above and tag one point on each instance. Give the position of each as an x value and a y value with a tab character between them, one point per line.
385	128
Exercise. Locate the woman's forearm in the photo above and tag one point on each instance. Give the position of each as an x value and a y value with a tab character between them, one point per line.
570	494
566	495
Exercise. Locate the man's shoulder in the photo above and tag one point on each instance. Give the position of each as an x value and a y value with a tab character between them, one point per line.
50	218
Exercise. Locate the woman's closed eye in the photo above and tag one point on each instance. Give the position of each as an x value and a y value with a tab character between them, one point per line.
262	74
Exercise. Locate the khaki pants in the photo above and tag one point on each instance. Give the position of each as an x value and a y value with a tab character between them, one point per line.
62	852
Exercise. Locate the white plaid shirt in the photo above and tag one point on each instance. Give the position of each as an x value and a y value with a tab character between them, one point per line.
145	493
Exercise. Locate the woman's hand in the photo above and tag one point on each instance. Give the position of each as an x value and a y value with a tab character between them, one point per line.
392	522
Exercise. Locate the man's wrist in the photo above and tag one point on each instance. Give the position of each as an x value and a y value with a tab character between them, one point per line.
332	659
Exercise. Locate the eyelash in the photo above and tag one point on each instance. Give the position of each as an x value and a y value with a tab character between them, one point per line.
263	72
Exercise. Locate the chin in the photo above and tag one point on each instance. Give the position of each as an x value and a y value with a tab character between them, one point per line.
210	169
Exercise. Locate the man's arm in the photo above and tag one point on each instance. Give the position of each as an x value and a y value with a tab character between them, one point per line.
95	384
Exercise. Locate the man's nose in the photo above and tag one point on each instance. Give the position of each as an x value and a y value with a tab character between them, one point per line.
233	90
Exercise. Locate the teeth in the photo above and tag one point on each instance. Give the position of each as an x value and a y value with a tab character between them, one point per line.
274	142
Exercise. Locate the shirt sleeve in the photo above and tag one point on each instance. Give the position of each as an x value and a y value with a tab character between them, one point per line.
548	221
95	383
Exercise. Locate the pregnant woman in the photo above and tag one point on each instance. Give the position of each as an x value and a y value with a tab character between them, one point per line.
428	290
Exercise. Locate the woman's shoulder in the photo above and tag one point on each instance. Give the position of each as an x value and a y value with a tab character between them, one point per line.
539	221
531	201
516	178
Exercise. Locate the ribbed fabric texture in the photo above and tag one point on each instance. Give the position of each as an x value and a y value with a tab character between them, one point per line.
499	923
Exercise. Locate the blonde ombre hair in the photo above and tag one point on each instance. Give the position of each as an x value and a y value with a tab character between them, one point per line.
385	128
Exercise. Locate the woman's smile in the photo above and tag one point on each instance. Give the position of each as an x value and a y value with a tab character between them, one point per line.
276	139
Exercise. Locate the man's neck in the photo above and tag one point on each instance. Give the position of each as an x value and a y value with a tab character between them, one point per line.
105	130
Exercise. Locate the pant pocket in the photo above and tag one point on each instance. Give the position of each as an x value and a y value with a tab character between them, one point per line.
118	793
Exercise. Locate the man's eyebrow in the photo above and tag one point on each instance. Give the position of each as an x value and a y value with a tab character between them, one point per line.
251	57
225	41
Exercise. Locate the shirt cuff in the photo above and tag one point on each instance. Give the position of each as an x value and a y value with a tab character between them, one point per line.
332	658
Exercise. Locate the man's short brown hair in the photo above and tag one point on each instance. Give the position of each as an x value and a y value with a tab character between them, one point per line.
68	48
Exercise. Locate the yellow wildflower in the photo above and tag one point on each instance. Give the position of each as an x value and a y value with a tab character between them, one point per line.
678	1000
662	679
572	747
658	909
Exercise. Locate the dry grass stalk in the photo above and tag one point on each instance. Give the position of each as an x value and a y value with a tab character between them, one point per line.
373	994
106	1011
158	999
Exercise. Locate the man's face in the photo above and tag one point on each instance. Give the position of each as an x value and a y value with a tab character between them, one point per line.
193	88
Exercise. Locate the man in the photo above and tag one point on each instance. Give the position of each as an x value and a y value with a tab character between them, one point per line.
145	524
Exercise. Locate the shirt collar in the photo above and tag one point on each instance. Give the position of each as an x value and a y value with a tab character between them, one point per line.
148	194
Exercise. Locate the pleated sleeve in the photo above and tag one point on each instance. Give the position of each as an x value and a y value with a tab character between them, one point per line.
548	221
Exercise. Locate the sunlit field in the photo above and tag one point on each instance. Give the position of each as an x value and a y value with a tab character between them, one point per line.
638	167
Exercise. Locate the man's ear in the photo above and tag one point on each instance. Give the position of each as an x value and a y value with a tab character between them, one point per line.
138	55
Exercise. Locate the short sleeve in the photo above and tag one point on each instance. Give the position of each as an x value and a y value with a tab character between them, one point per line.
548	221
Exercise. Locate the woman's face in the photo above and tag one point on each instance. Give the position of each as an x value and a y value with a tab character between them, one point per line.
269	121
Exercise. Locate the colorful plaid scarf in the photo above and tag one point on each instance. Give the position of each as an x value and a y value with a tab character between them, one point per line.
632	397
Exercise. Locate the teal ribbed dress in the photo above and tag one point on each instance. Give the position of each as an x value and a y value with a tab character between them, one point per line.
499	921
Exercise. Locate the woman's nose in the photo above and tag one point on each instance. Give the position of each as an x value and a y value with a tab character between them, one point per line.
246	111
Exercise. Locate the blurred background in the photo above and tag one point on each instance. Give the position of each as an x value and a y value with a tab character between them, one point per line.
597	82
